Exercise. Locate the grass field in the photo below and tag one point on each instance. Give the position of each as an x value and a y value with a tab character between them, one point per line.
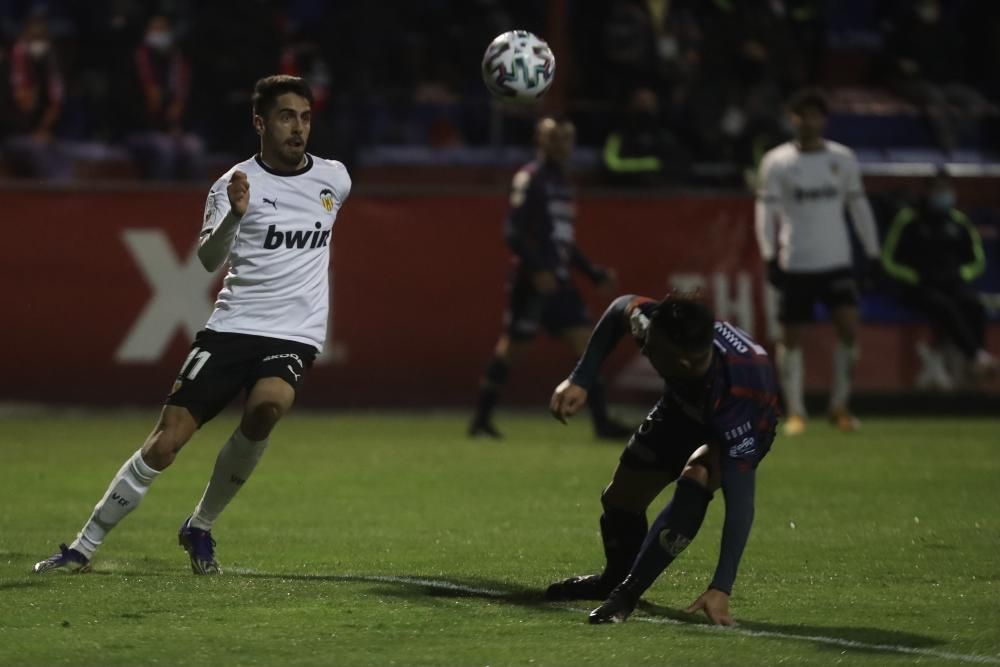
375	539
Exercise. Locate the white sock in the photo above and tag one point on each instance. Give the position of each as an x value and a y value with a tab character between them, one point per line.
792	370
236	460
126	490
844	358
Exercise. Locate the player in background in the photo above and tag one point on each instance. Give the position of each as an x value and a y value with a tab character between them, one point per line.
714	423
272	217
541	232
803	188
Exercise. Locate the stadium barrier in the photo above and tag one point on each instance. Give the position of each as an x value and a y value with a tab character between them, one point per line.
103	292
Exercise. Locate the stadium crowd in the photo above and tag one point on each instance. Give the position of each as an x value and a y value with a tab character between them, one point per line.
684	81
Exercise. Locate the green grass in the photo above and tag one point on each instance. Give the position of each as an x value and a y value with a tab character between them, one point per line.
887	537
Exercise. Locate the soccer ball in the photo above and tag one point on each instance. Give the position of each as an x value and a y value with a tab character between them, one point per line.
518	66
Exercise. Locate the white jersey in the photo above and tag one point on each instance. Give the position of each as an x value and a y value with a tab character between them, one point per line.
278	284
806	193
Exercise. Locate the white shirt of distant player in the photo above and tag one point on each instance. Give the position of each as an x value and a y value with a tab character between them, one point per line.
278	283
809	189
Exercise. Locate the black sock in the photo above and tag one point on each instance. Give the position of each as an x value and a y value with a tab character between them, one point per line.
489	391
672	531
622	533
597	401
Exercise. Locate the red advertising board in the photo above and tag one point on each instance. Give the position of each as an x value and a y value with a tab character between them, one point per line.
102	292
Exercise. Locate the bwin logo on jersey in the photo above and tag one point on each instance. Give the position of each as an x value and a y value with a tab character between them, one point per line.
326	197
809	194
296	239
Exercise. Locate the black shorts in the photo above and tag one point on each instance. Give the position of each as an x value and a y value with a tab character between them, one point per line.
220	365
668	437
528	310
801	291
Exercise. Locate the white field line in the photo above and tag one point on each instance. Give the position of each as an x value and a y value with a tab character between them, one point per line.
766	634
832	641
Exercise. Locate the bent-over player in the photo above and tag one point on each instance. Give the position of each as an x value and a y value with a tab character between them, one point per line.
714	423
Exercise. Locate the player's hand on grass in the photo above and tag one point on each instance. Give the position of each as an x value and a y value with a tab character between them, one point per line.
545	282
567	400
715	604
239	193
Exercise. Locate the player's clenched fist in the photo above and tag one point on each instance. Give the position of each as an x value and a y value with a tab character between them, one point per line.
567	400
239	193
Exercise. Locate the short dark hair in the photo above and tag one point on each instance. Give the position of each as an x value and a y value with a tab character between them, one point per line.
685	320
809	98
267	91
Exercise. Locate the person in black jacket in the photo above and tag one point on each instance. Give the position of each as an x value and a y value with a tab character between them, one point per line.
640	151
934	252
540	230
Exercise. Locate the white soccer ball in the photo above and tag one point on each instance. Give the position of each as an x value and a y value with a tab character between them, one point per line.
518	66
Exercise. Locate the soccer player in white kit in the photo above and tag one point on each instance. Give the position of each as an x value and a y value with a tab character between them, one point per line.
803	189
272	217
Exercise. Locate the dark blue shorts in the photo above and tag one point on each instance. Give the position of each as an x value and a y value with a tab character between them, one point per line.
556	312
668	437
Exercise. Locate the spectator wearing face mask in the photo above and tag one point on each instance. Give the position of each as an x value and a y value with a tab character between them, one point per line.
162	145
934	253
36	85
641	151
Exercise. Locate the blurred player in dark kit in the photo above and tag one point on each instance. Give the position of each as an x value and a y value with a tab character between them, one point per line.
541	232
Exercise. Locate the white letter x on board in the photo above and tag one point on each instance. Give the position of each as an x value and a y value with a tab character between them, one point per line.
181	296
